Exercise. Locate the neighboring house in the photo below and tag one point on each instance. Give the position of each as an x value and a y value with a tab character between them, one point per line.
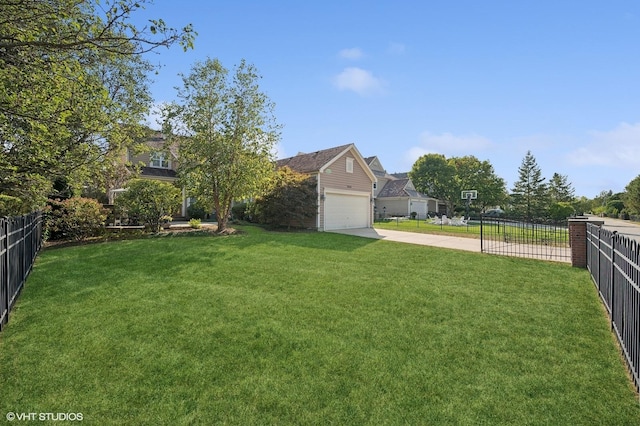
344	185
159	163
395	194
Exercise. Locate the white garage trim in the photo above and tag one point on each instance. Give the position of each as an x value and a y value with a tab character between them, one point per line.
346	209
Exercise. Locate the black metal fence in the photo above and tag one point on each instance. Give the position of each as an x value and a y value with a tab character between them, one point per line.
548	241
614	263
20	241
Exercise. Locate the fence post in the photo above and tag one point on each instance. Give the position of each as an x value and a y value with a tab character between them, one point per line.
4	280
481	237
613	276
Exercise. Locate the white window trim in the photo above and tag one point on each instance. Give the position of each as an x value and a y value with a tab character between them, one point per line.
159	158
349	165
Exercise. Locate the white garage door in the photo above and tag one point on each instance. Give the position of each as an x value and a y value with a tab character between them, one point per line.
419	207
342	211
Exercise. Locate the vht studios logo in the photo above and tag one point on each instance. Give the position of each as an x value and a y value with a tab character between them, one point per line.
55	417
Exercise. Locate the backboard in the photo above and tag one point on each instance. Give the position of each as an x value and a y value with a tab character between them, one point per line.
469	194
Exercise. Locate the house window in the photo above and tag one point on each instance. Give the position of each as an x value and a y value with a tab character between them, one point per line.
349	165
159	160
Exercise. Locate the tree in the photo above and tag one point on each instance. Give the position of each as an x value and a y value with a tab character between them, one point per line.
149	201
560	189
632	196
529	194
433	175
226	133
73	88
290	200
472	173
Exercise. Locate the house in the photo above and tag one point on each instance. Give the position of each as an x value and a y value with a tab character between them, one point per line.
345	185
395	194
160	162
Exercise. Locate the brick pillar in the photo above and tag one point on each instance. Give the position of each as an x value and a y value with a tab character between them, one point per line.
578	240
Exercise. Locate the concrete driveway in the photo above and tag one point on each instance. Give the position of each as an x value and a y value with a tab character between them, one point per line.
444	241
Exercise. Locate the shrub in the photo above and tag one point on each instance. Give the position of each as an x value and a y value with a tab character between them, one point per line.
239	211
561	210
74	218
10	206
196	211
291	200
195	223
148	201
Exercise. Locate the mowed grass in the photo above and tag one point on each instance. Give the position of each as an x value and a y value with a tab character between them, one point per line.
309	328
472	230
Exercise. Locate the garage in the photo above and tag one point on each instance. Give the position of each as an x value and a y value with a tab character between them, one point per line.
418	206
346	210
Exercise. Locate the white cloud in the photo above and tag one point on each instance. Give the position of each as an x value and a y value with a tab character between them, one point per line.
357	80
619	147
352	54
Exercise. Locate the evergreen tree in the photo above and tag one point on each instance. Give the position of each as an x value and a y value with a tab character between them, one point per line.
529	196
560	189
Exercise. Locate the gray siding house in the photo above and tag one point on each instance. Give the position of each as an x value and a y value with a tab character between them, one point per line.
344	185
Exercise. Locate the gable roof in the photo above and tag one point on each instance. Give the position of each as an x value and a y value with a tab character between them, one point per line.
400	188
394	188
317	162
313	162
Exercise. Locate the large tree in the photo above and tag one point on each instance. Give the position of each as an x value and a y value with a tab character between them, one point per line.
226	132
433	175
73	88
471	173
529	196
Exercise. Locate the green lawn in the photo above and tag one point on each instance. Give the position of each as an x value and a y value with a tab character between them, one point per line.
309	328
472	230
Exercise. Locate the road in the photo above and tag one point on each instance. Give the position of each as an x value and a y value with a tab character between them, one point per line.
623	227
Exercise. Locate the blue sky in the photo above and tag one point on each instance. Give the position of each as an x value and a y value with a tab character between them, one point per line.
400	79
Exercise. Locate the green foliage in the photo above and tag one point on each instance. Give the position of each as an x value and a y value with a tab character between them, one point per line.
433	175
74	218
582	205
529	196
560	189
238	211
148	201
195	223
561	210
226	131
632	196
10	206
472	173
73	90
196	211
445	179
614	207
290	201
